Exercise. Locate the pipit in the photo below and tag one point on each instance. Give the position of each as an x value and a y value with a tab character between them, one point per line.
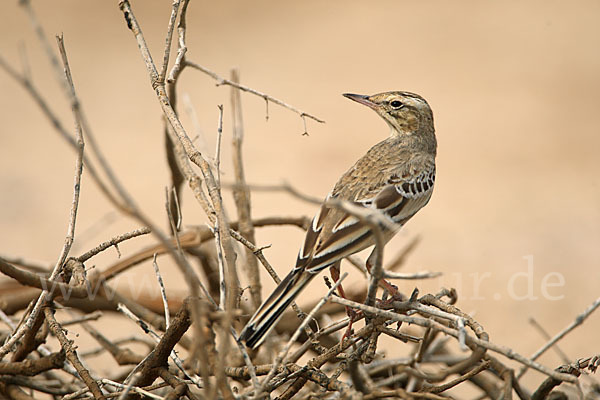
395	178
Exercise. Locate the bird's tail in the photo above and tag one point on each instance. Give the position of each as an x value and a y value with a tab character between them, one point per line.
271	310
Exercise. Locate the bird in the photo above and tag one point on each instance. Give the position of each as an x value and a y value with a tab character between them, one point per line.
395	177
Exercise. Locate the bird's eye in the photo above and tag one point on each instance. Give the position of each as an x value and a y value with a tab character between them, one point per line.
396	104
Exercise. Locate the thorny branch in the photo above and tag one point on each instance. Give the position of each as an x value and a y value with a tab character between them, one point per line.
266	97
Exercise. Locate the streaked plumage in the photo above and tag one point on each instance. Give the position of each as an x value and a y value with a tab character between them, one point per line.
396	177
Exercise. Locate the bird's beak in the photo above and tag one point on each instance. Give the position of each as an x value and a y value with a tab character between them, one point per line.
359	98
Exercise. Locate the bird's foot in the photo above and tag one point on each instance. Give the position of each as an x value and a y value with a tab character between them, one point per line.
354	315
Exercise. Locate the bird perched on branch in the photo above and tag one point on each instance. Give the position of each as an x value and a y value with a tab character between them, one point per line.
394	178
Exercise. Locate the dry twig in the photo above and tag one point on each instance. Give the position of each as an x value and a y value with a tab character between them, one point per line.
578	321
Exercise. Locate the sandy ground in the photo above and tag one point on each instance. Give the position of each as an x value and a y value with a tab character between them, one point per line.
514	220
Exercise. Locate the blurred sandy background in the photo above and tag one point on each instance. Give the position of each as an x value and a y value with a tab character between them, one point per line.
515	89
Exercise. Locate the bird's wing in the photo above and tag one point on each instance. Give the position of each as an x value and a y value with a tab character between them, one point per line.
404	193
335	233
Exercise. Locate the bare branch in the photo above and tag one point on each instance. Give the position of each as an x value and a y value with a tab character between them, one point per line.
45	297
169	38
223	81
67	346
469	339
163	292
241	193
578	321
112	242
33	367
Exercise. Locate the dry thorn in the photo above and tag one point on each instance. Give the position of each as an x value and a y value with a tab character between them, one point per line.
303	117
266	108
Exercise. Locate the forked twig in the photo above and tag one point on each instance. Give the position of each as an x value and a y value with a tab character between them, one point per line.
44	297
578	321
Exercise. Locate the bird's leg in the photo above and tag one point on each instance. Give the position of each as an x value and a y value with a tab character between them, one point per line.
334	270
392	290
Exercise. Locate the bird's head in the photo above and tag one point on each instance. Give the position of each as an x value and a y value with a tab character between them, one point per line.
406	113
